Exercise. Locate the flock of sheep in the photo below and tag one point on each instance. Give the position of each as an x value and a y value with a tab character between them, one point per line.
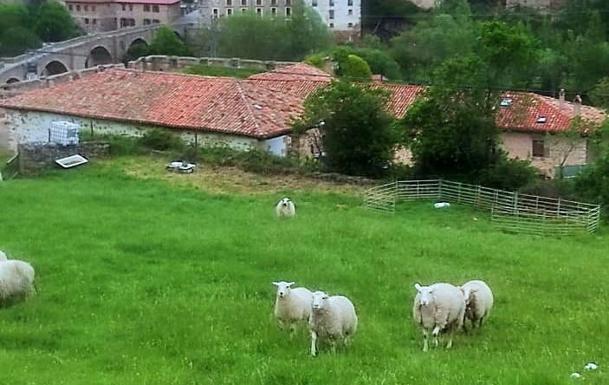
16	280
438	309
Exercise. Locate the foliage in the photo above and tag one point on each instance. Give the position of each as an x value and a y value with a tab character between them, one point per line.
53	22
357	133
171	284
205	70
599	95
166	42
250	36
135	51
593	183
161	139
508	174
14	40
355	68
379	61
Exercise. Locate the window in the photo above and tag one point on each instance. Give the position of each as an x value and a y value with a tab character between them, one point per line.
156	21
331	2
93	8
274	11
70	7
215	13
147	22
539	148
229	12
331	25
350	3
146	7
350	12
259	11
313	3
131	7
350	25
86	8
259	2
288	3
331	14
243	10
155	8
124	7
229	3
94	21
288	12
243	3
78	8
86	20
274	3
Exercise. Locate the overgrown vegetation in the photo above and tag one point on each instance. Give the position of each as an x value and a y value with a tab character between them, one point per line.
25	27
164	42
205	70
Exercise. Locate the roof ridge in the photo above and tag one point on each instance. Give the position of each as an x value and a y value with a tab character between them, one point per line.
249	108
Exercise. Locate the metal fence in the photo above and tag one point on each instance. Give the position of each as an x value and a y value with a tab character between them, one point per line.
509	211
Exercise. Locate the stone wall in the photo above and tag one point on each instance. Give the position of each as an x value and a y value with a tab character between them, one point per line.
34	158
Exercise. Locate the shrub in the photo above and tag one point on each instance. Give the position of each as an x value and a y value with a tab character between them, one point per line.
593	183
508	174
161	139
354	67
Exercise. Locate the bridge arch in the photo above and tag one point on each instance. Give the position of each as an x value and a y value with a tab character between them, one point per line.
12	80
54	67
99	55
137	48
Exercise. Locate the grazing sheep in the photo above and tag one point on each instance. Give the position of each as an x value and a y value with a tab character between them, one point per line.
285	208
292	305
333	319
478	302
3	256
16	281
438	308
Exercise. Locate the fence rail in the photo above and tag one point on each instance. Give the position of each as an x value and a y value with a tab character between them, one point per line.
10	169
509	211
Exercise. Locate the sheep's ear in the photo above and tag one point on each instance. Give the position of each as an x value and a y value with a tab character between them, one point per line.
276	283
290	284
418	287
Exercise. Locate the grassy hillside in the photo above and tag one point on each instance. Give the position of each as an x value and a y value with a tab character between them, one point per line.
147	282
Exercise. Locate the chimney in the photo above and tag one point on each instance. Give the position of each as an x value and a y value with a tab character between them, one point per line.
561	98
577	105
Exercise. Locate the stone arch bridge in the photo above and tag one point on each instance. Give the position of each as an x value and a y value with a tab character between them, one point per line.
75	54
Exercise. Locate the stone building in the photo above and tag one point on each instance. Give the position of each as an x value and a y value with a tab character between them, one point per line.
108	15
342	17
537	4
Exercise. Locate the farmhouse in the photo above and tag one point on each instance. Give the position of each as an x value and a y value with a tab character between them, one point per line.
257	112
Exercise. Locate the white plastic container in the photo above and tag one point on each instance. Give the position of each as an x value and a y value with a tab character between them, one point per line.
64	133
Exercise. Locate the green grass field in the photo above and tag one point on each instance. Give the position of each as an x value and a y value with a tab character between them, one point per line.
143	281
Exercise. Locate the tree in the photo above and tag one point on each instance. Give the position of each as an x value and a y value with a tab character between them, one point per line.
355	68
53	22
599	95
135	51
166	42
356	131
14	41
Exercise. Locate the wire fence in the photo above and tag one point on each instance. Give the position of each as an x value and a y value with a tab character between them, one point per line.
509	211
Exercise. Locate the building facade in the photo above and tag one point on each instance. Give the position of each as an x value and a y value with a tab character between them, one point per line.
537	4
342	17
108	15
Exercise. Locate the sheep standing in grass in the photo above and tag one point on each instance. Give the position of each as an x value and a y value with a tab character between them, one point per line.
292	305
478	302
285	208
16	281
438	308
333	319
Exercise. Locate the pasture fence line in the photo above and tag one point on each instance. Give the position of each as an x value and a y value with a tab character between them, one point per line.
10	169
509	211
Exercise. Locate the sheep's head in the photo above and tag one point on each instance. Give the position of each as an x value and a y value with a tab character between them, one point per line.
467	295
425	294
320	300
285	202
283	288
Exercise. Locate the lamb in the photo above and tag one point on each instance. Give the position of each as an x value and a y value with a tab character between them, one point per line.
292	305
333	319
16	281
438	308
478	302
285	208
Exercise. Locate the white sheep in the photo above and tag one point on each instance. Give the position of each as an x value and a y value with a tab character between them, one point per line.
285	208
333	319
3	256
16	281
292	305
478	302
438	308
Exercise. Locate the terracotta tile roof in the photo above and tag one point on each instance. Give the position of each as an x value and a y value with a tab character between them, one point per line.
531	112
214	104
298	71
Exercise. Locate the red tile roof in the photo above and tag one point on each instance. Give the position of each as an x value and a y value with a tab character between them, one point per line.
531	112
214	104
298	71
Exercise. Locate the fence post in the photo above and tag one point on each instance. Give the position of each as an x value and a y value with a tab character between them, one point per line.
558	208
440	195
515	202
459	193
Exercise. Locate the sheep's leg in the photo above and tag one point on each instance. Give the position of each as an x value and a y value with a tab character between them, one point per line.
480	322
313	343
292	330
425	340
435	333
450	340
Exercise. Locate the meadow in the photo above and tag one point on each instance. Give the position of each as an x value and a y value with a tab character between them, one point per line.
161	279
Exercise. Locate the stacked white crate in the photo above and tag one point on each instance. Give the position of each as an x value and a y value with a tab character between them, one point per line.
64	133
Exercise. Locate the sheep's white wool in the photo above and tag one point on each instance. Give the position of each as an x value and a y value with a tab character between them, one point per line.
478	301
438	308
285	208
333	319
3	256
16	281
292	305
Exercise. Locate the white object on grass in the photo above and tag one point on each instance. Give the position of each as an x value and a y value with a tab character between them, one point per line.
333	319
285	208
71	161
591	366
292	305
441	205
179	166
16	281
575	375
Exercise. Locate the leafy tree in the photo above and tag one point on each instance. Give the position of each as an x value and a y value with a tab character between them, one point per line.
356	131
14	40
166	42
592	184
53	22
356	68
136	51
599	95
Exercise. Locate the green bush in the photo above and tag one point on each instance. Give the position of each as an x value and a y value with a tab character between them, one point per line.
508	174
161	139
354	67
592	184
